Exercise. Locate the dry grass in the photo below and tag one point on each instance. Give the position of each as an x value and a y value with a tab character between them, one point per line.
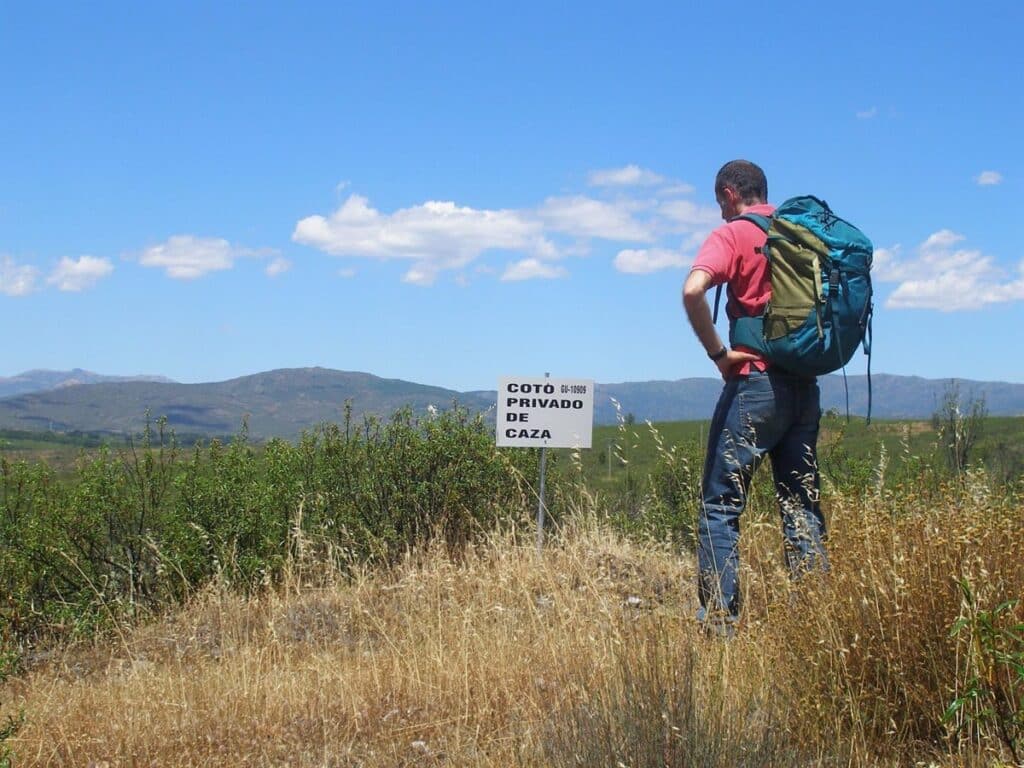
588	656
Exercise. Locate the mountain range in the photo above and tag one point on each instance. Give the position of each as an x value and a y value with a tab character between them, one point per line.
38	380
285	402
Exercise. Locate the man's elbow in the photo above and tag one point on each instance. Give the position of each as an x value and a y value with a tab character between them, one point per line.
694	289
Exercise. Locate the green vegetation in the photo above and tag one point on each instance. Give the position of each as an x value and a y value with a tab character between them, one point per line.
91	532
135	530
63	452
625	460
20	440
914	642
993	694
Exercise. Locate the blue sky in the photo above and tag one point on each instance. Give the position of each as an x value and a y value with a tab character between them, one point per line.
449	193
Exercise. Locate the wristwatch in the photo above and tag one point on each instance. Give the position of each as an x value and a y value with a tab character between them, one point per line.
719	354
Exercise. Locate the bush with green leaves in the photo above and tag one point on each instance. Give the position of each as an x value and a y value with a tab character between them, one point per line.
138	529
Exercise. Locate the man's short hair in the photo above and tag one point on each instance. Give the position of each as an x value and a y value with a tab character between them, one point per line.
746	178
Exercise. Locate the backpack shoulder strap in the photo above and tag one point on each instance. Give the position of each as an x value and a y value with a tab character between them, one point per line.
764	222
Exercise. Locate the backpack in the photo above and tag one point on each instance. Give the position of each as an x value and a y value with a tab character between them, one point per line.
821	302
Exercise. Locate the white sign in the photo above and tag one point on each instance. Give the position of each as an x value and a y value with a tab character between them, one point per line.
537	412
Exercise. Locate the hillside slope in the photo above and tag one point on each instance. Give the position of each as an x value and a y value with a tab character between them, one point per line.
276	403
284	402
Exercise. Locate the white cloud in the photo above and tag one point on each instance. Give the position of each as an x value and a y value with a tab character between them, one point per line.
347	272
421	274
867	114
677	188
440	233
528	269
627	176
278	266
186	257
16	279
946	277
642	262
582	216
687	216
887	265
79	274
988	178
440	236
941	241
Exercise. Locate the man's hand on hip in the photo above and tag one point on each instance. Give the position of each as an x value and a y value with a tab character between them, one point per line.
731	360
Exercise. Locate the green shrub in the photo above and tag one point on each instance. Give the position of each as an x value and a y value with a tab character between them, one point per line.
136	530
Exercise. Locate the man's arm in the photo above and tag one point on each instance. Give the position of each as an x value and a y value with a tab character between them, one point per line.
699	314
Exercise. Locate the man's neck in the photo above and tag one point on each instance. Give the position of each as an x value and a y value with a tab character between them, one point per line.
742	207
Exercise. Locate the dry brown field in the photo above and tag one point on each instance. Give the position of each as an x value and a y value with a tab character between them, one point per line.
585	655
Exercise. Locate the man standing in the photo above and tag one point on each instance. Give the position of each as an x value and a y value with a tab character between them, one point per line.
762	409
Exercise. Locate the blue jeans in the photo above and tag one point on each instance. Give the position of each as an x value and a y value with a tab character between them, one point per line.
772	413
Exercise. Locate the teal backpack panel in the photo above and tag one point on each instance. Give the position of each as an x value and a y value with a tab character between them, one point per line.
841	322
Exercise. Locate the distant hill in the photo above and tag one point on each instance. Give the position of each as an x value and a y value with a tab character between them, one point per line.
39	381
276	403
284	402
893	397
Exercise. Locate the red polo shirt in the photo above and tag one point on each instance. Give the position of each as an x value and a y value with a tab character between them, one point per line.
729	256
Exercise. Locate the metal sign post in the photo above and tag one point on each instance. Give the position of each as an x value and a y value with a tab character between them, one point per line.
540	503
